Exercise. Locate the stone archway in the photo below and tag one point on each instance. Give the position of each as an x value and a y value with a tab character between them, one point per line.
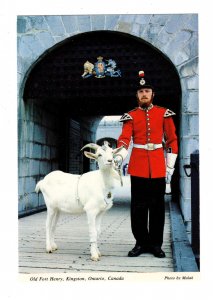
63	109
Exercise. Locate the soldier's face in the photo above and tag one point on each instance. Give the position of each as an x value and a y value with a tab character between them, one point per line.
144	97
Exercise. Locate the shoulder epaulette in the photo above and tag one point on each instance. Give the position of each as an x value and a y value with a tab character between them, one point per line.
169	113
125	117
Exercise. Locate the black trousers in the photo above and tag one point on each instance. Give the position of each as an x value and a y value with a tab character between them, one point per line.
148	210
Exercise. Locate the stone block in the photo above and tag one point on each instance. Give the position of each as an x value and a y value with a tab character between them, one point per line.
56	25
179	57
21	185
136	29
97	22
30	184
185	204
22	24
59	39
45	152
70	24
190	68
84	23
23	48
38	23
160	19
31	201
53	152
190	124
124	27
143	19
45	39
45	168
154	30
37	114
22	66
24	167
21	205
163	39
39	134
192	23
176	22
189	145
40	200
185	187
111	21
191	48
29	149
192	82
35	45
36	151
33	167
126	18
190	102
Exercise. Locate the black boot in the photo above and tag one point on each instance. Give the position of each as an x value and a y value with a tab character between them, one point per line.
137	250
158	252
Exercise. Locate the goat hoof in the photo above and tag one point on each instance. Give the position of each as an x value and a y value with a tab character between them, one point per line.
95	258
49	250
54	247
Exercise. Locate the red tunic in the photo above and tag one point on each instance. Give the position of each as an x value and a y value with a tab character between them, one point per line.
152	125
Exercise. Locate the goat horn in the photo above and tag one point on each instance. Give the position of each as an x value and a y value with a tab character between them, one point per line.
91	145
116	150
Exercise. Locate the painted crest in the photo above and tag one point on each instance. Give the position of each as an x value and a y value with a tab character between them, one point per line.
101	68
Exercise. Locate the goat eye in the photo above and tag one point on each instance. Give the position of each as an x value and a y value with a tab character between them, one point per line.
99	155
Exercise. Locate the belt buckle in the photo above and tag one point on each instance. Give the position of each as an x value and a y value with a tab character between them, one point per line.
150	146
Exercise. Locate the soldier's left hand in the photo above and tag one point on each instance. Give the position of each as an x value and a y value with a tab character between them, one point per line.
169	173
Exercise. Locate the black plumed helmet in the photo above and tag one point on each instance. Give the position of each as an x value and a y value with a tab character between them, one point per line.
144	82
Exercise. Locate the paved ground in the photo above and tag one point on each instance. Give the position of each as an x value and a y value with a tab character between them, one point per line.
72	238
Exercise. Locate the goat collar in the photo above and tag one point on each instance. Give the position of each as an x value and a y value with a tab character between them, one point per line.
108	197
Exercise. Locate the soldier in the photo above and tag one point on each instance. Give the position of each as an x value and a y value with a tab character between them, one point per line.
148	125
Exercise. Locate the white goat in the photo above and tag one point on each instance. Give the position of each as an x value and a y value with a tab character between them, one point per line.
90	193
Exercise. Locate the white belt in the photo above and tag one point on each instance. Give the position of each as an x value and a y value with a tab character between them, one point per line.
149	146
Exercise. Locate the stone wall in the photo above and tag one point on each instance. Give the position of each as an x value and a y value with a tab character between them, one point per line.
175	35
37	152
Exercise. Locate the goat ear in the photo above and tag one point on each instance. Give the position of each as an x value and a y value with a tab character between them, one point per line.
90	155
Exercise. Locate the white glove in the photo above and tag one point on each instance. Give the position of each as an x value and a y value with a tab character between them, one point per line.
118	161
119	155
170	162
169	173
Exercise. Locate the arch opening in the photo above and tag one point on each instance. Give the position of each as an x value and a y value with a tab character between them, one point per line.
61	110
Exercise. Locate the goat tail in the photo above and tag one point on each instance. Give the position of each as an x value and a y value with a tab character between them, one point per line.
38	187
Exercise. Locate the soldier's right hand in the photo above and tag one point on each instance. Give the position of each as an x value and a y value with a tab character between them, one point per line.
118	160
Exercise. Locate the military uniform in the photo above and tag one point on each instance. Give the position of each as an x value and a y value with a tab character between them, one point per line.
149	128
